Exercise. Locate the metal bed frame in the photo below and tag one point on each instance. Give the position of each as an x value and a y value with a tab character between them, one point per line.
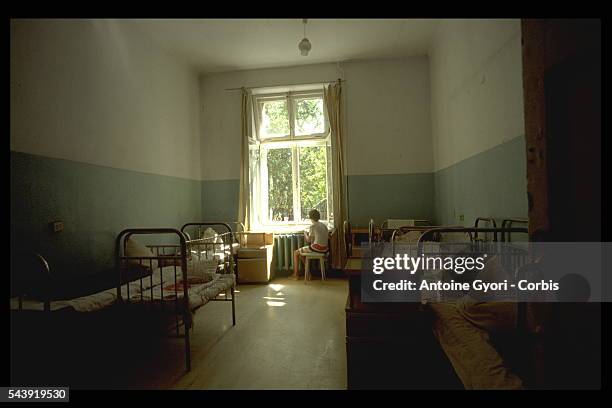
229	265
518	260
133	269
422	229
229	237
43	267
179	254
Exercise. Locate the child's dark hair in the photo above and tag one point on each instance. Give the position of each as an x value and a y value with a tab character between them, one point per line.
314	215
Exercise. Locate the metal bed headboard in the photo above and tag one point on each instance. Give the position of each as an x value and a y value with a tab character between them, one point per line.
122	263
490	220
229	261
428	234
179	254
41	266
507	223
209	224
421	228
123	237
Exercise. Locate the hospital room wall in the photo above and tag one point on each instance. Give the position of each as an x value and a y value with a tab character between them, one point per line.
103	136
477	121
388	147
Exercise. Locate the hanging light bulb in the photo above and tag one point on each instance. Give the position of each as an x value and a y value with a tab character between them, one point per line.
304	45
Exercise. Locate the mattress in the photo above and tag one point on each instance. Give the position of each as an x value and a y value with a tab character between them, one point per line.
146	290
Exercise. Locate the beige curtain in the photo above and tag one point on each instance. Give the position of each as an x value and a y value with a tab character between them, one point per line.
333	104
244	204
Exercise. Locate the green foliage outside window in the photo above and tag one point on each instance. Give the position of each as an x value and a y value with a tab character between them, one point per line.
313	185
313	180
312	160
275	118
309	116
280	186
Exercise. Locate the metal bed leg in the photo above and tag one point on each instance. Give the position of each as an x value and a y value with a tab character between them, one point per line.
187	326
233	308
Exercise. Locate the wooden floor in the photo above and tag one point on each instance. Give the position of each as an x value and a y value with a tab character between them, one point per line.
288	336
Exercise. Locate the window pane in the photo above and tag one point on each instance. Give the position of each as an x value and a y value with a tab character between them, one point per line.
309	116
313	180
280	185
274	119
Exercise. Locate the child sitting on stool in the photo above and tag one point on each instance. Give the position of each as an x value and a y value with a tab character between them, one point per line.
317	237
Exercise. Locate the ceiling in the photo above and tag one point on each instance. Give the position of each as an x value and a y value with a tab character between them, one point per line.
218	45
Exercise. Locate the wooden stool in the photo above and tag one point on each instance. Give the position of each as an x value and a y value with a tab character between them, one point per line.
321	256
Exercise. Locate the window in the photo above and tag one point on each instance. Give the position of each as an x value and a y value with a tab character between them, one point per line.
292	172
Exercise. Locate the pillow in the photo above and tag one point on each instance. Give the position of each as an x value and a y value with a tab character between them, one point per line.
409	236
210	235
203	270
135	248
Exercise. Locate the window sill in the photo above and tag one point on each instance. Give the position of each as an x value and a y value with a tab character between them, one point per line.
283	229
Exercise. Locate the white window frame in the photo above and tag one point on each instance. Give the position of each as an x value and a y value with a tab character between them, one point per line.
291	99
294	142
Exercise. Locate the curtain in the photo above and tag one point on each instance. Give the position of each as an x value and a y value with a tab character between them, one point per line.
333	104
244	199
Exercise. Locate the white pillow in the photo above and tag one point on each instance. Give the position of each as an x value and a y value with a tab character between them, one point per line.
135	248
409	236
201	269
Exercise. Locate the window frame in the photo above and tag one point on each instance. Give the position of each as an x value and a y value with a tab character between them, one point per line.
291	99
293	142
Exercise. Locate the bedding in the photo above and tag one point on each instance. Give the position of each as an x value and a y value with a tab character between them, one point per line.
463	328
136	249
200	292
409	237
469	349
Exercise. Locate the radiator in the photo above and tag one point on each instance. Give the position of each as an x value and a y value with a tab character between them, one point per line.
284	246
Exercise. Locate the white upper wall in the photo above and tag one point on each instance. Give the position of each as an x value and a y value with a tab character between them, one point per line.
101	92
476	87
387	117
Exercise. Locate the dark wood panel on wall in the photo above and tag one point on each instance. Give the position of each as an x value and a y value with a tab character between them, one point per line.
573	111
562	102
562	99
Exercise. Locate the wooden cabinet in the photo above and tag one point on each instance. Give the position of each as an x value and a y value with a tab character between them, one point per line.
254	257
